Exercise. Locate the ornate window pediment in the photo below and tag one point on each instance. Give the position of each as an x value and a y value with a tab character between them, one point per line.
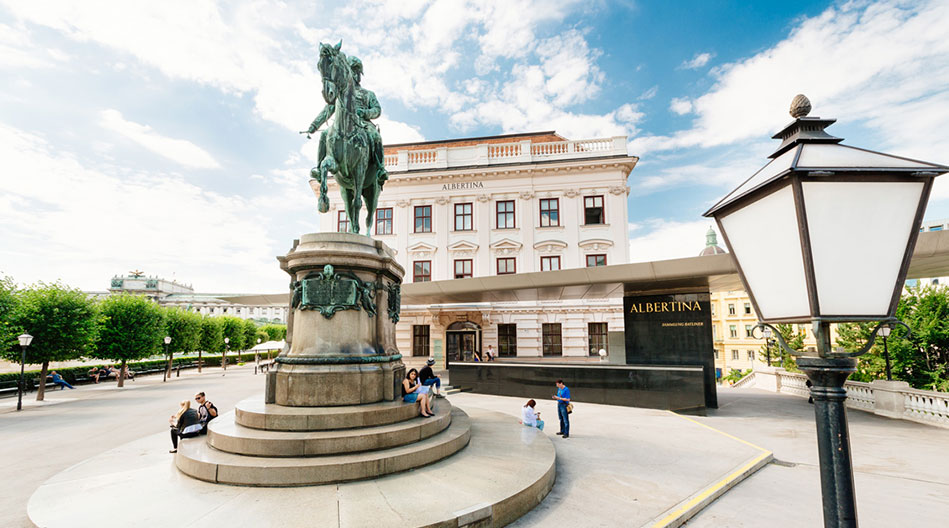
463	248
595	244
550	246
421	250
506	246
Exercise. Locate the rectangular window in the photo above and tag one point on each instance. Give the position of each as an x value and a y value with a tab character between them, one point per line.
549	212
505	214
422	271
713	309
463	268
747	308
463	217
593	212
734	354
597	338
751	355
733	331
423	219
731	309
716	354
506	266
420	338
342	222
748	331
551	339
507	340
384	221
550	263
596	260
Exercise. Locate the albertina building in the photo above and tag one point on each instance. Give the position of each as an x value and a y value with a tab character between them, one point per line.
503	205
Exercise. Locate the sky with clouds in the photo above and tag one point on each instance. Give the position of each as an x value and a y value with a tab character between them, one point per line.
162	136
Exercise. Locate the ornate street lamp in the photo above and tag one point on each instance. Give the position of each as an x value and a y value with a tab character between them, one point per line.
25	340
168	367
822	205
227	349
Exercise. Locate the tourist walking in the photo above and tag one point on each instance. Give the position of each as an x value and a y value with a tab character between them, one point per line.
184	424
563	400
412	394
531	417
206	411
428	378
58	380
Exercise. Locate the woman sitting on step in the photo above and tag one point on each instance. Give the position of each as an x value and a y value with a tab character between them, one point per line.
411	393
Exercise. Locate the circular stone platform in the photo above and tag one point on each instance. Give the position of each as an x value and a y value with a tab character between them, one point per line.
504	472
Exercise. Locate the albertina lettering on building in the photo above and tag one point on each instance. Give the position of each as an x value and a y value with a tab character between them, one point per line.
671	306
458	186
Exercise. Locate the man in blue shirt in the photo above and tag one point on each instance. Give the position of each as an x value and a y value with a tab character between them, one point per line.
563	398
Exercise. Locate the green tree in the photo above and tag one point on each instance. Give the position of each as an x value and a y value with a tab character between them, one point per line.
275	332
250	333
262	336
132	327
8	308
922	358
234	333
794	338
184	329
62	321
212	336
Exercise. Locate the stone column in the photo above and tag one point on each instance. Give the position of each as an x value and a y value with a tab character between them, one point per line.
888	397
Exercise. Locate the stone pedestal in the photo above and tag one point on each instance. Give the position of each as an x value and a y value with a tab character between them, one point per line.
887	399
341	346
332	410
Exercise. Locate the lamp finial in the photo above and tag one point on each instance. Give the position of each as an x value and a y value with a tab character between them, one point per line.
800	106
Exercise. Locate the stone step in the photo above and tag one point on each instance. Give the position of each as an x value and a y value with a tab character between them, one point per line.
199	460
256	414
225	434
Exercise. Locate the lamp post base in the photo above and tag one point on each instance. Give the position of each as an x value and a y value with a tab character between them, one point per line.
827	376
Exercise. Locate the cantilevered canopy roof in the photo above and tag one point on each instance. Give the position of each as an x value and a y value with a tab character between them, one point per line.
715	272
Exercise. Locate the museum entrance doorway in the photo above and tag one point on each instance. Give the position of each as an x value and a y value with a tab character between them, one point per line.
464	341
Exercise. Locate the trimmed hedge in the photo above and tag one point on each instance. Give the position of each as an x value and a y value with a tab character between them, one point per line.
71	373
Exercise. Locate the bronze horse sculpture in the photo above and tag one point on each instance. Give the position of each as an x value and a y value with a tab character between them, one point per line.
348	144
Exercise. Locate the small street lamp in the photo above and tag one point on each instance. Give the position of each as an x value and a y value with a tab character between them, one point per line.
168	367
256	357
818	202
767	343
227	349
25	340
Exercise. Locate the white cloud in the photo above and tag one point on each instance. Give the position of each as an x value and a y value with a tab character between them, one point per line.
67	219
667	240
649	94
680	106
885	63
698	61
178	150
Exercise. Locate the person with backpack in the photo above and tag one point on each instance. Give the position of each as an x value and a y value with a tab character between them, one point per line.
184	424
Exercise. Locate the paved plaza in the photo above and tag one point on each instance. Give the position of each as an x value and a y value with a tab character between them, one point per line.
620	467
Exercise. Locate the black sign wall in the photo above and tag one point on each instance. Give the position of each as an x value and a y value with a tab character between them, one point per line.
674	329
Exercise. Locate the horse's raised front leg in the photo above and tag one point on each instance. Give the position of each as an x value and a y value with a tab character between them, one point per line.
328	164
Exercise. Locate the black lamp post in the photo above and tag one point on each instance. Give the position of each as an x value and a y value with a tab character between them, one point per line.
818	202
25	340
168	366
767	343
227	349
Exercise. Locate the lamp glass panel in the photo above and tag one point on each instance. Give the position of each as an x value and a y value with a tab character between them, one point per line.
765	241
833	156
859	232
766	173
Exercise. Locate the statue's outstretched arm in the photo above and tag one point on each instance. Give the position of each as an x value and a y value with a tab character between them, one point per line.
321	118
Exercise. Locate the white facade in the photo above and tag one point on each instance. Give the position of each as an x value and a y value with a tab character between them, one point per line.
486	206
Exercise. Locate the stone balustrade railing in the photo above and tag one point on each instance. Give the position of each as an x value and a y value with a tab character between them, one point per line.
893	399
501	153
